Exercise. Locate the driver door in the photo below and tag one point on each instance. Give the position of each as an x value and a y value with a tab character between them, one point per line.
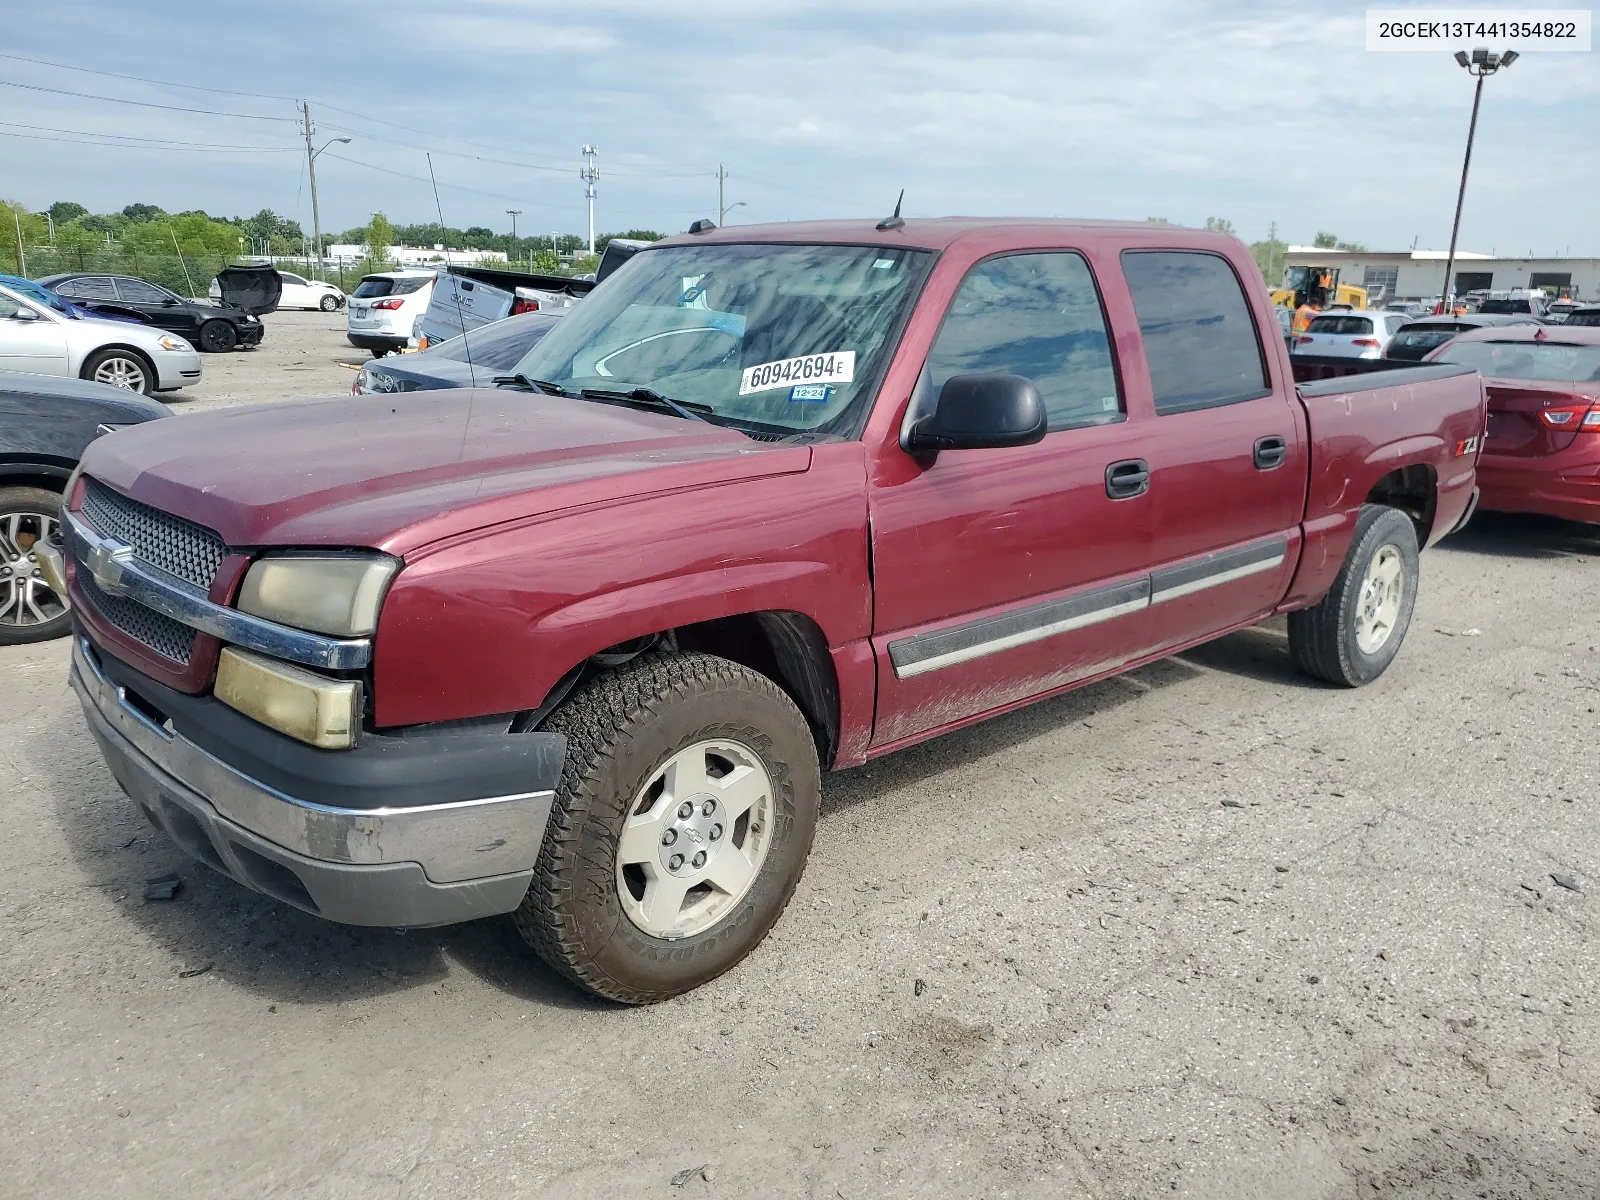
36	344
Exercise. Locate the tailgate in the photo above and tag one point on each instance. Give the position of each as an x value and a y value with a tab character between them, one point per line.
459	304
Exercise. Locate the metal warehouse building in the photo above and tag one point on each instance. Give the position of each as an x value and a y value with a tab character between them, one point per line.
1419	274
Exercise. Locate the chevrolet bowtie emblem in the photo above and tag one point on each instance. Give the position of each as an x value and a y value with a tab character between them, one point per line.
105	561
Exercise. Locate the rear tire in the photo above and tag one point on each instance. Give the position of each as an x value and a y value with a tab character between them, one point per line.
647	743
1352	634
30	611
218	337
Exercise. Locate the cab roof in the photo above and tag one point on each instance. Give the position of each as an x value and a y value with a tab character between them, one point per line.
937	233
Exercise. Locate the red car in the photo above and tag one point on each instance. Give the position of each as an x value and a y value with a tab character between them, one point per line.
772	500
1542	450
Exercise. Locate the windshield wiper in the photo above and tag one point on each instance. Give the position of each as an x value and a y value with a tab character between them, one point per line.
641	395
533	385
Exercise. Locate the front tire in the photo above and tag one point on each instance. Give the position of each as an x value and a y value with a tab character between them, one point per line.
681	826
120	368
218	337
1352	634
30	610
328	303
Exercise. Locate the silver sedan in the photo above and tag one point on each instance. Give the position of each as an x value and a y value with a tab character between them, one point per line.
42	339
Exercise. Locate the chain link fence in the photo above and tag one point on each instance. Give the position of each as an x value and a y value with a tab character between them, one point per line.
186	274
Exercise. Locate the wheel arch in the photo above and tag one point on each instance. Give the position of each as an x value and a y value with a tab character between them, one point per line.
39	473
1414	490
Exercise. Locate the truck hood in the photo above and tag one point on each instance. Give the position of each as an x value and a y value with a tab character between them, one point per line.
400	472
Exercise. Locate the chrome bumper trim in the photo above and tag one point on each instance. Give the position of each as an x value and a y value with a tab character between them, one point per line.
469	839
118	572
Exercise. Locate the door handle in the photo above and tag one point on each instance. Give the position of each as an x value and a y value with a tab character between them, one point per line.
1128	478
1270	453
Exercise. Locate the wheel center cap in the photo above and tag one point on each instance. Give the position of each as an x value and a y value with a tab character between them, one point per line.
691	836
21	568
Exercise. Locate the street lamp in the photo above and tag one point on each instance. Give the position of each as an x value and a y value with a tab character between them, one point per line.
1480	64
311	170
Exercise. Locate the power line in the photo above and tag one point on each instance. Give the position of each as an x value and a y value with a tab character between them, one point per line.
42	62
123	137
66	141
453	186
210	112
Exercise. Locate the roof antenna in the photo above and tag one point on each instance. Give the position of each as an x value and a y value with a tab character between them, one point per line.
455	293
895	221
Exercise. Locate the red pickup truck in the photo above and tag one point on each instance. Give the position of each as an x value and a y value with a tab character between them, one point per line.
773	500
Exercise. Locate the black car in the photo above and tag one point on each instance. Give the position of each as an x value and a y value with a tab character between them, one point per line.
1588	314
213	327
494	349
1414	341
45	425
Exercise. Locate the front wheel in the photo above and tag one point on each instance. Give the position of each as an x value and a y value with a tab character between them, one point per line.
120	368
30	609
218	337
328	303
680	828
1352	634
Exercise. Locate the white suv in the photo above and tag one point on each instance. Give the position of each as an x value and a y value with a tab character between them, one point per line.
384	309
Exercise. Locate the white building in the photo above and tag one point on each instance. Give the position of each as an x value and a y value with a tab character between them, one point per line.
1419	274
416	256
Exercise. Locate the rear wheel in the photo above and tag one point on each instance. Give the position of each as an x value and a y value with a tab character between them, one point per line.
218	337
120	368
328	303
681	826
1352	634
30	610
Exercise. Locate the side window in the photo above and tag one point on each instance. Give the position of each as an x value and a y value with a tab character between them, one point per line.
1199	339
8	307
89	287
1039	316
137	291
294	279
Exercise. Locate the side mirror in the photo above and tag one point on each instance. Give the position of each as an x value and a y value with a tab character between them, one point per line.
980	412
24	314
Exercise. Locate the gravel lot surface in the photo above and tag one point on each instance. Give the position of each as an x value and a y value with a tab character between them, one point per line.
1208	930
302	354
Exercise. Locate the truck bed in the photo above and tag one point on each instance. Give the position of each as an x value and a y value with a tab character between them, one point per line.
466	298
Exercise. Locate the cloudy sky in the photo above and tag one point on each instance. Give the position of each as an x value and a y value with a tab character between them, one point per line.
1257	112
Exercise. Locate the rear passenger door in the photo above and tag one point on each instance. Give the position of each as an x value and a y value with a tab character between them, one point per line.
1226	448
1001	574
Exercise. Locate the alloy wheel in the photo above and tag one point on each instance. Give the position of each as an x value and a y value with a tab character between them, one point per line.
121	371
1378	604
25	598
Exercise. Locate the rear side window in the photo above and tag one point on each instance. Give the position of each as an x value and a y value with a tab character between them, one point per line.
377	285
90	287
1427	336
137	291
1199	339
1035	315
1585	316
1346	325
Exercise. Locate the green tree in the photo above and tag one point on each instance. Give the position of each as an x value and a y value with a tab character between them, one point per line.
1329	241
1219	224
63	211
1268	254
379	237
143	212
545	262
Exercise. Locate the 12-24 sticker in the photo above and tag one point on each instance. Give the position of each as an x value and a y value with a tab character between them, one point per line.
836	367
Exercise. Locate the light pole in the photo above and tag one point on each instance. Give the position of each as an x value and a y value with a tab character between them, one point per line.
1480	64
311	171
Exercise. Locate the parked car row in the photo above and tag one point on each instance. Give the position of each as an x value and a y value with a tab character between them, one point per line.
43	338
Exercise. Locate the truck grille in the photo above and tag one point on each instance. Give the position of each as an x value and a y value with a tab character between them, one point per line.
180	548
166	637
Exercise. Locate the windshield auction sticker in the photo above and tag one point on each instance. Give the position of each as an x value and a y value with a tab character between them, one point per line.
837	367
1470	29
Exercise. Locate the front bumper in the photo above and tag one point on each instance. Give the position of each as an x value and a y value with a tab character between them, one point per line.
404	848
176	368
251	334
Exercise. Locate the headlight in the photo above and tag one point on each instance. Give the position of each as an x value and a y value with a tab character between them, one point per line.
333	593
173	343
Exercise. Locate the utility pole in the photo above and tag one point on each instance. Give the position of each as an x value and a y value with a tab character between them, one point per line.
722	204
1480	65
311	170
515	213
589	174
1273	275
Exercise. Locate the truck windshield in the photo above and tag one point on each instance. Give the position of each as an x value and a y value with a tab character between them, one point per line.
1556	362
775	338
